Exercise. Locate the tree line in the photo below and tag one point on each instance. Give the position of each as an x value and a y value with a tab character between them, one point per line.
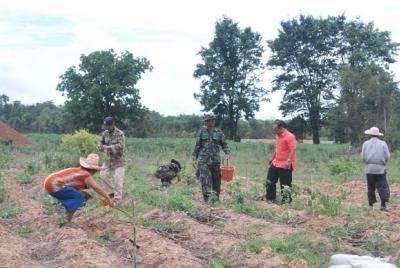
335	74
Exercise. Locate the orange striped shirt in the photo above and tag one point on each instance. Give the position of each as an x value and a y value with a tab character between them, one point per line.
73	177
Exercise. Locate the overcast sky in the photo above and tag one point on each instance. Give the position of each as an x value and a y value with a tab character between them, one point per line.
40	39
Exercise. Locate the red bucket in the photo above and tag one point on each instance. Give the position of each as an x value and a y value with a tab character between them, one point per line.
227	172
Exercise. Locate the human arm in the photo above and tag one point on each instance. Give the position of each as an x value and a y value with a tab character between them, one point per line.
90	182
101	144
292	145
289	160
386	152
179	176
118	145
196	150
225	147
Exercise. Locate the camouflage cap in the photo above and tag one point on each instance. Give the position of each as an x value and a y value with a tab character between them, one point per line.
207	117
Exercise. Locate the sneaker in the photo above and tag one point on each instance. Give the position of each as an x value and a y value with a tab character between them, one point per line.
272	201
383	208
111	195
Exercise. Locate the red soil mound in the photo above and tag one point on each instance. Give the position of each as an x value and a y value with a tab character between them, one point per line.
18	138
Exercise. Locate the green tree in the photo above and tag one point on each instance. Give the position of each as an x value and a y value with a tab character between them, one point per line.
104	85
298	126
367	99
230	72
305	52
310	53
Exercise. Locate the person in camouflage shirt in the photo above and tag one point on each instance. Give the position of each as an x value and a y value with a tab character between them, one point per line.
113	143
169	171
206	157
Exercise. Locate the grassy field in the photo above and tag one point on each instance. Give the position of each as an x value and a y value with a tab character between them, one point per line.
329	213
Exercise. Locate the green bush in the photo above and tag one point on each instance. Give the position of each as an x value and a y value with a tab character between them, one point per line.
344	169
3	188
28	175
6	141
81	141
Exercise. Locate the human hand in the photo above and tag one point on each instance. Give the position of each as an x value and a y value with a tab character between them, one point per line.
288	164
100	147
195	164
227	156
109	203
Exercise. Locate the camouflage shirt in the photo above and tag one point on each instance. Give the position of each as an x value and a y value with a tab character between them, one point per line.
115	157
167	171
207	146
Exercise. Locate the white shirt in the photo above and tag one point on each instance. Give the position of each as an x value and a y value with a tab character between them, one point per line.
375	154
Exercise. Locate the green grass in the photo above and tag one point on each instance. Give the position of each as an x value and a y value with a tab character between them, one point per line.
254	245
103	239
9	211
26	231
48	202
3	188
377	245
302	245
28	175
331	164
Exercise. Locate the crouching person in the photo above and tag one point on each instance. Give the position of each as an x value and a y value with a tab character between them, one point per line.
168	172
72	186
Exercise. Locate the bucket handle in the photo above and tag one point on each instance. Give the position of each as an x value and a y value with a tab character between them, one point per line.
227	162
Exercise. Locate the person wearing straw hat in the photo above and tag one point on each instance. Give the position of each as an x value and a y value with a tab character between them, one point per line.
206	157
73	186
113	143
375	154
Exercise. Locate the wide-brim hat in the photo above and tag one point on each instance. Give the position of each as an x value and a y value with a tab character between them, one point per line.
373	131
90	162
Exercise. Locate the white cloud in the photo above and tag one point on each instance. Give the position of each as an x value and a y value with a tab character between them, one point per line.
168	33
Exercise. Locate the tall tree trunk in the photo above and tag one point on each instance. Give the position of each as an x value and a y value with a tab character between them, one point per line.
315	125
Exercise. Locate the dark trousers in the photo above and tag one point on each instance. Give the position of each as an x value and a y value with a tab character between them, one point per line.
377	181
210	177
285	178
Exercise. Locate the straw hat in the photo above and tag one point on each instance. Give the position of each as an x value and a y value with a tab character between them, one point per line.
373	131
90	162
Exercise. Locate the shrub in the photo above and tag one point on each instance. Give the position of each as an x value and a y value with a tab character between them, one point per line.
345	169
28	175
3	189
81	141
6	141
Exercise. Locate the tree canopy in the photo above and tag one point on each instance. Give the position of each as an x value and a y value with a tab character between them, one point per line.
104	85
230	72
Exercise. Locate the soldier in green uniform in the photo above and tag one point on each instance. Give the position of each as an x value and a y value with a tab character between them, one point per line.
113	143
206	157
169	171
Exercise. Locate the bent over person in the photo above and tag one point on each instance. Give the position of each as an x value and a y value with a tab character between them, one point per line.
375	154
72	186
113	171
206	157
169	171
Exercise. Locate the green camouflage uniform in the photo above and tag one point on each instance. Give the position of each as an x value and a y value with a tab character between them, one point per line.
166	173
115	157
114	162
207	153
